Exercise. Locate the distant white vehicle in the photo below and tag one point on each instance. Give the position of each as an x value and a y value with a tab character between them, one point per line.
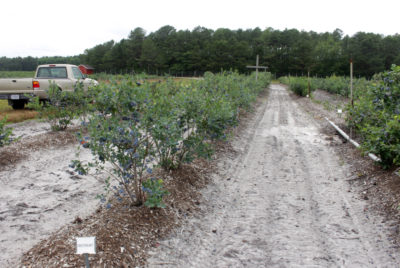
65	76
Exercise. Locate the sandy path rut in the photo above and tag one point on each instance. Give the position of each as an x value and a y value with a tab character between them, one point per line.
281	202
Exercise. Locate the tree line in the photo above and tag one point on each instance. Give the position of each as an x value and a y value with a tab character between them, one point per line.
185	52
30	63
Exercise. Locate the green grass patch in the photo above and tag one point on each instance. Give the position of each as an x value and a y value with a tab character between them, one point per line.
17	74
15	116
4	107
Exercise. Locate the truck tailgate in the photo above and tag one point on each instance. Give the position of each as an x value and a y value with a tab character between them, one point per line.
11	85
15	86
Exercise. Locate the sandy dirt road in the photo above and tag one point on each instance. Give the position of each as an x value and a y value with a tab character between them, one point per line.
282	201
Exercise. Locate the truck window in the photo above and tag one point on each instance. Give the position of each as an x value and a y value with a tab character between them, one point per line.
77	73
52	72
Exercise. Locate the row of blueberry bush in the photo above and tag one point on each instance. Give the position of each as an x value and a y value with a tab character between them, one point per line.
339	85
132	127
376	117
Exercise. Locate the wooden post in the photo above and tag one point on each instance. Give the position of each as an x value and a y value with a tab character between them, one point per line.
257	67
351	91
351	82
308	81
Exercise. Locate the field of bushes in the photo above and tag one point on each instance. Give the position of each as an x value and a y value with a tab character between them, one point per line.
339	85
132	125
173	121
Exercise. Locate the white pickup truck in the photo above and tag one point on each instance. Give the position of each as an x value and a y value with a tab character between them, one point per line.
65	76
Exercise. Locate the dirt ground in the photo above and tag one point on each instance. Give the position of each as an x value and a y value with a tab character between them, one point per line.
39	192
381	188
286	191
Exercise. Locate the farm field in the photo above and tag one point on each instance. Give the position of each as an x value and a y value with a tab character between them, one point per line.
263	198
17	74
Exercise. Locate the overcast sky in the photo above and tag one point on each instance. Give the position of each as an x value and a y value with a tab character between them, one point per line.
66	28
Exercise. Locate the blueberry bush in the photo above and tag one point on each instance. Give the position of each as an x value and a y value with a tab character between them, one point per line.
118	136
155	193
62	106
376	117
5	133
299	85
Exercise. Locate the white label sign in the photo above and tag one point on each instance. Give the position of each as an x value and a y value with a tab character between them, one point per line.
339	111
14	97
86	245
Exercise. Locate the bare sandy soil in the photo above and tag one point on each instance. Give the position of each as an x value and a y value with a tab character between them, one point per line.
39	192
284	201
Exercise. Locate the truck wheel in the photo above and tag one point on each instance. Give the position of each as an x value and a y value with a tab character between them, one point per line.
18	104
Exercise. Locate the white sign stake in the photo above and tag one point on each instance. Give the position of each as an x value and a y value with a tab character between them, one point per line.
85	246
